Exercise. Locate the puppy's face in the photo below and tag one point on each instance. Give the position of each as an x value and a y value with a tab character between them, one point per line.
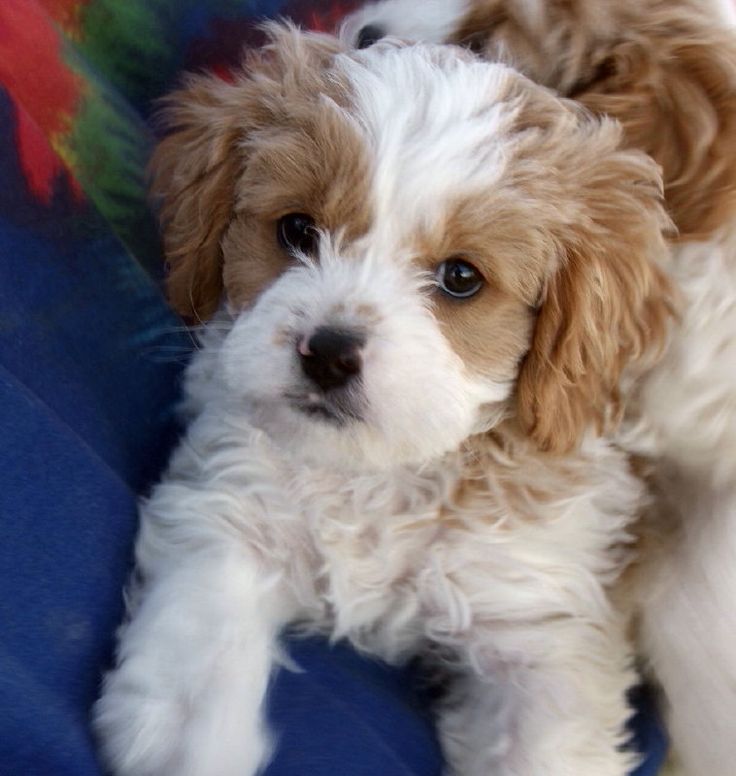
412	243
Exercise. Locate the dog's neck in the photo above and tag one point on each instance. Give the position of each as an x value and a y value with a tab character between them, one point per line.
496	460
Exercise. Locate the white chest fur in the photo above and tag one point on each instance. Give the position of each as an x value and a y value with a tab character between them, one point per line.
392	559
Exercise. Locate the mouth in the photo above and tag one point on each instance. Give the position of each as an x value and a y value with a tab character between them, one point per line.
336	411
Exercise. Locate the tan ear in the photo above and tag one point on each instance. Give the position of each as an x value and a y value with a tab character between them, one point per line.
674	91
193	172
606	306
195	168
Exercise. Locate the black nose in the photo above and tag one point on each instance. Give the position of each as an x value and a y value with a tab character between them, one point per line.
369	35
331	357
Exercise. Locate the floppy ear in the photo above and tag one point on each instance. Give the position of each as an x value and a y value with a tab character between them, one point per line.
193	171
196	167
674	92
606	305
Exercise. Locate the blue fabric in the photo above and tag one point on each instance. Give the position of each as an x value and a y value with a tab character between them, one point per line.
90	360
347	715
647	734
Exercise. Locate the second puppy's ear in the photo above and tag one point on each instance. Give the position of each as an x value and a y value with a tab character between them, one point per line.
675	94
196	167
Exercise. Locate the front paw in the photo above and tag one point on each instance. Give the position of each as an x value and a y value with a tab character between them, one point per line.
155	732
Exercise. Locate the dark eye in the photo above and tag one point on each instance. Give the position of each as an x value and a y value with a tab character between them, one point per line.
297	234
369	35
459	278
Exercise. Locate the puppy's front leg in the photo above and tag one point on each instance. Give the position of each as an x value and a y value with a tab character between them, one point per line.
563	714
193	665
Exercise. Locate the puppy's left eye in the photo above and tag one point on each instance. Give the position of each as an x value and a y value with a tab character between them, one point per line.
458	278
297	233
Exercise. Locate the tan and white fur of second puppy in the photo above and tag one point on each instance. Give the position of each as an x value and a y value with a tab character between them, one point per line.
428	268
667	70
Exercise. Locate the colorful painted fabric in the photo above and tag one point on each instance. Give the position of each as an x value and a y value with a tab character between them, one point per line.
90	358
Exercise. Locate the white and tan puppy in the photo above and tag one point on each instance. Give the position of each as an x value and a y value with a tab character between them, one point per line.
667	70
429	269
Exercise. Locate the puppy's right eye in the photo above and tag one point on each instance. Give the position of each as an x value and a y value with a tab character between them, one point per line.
458	279
297	234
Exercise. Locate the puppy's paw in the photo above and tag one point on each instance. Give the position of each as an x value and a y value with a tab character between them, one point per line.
137	733
149	733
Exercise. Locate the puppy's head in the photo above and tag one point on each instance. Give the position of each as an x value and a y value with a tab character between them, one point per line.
666	69
412	244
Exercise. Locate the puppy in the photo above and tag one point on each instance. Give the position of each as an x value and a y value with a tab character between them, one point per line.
667	70
417	296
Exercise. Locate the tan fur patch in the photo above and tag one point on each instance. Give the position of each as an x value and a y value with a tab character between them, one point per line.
664	68
194	170
490	331
311	161
675	94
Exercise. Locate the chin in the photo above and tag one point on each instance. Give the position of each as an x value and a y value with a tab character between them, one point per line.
397	416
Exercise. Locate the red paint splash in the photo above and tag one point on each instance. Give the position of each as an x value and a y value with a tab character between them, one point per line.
40	164
46	91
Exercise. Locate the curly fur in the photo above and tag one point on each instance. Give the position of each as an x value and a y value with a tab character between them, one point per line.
421	513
